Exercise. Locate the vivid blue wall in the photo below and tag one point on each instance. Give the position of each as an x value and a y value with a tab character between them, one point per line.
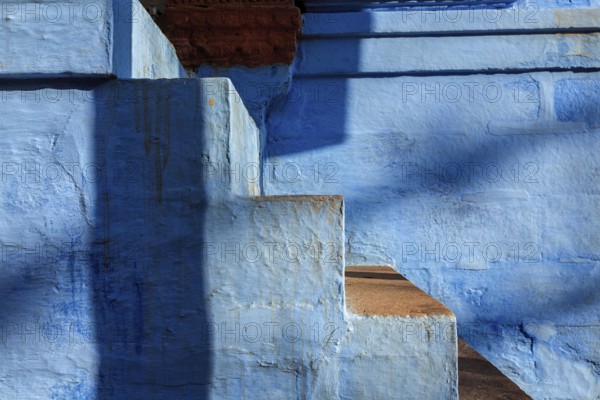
139	262
465	149
465	145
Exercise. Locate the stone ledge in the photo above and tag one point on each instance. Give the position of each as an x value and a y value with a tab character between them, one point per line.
518	19
449	55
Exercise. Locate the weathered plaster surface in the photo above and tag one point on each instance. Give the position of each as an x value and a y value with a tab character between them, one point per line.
257	88
152	55
139	260
399	357
480	188
136	264
444	55
73	38
522	17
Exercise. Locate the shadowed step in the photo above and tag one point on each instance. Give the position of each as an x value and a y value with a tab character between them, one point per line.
478	379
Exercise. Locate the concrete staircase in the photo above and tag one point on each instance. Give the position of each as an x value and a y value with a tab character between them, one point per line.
186	282
405	112
402	342
171	275
379	301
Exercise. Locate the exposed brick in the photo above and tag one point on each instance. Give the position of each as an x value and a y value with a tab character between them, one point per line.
232	32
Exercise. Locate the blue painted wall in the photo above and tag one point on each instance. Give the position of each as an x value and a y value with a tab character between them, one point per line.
130	229
465	145
92	39
139	262
138	257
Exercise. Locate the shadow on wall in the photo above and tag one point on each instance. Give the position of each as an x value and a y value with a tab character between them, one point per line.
408	189
309	96
103	285
148	282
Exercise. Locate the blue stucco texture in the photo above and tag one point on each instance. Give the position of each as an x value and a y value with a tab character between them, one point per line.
161	241
479	188
576	100
140	261
71	38
135	264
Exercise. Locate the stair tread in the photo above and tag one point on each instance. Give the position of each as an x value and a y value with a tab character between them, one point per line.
479	379
381	291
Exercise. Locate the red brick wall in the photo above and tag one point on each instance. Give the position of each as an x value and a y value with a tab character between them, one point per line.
232	32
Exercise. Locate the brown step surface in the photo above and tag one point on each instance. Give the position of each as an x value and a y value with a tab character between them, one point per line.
478	379
381	291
